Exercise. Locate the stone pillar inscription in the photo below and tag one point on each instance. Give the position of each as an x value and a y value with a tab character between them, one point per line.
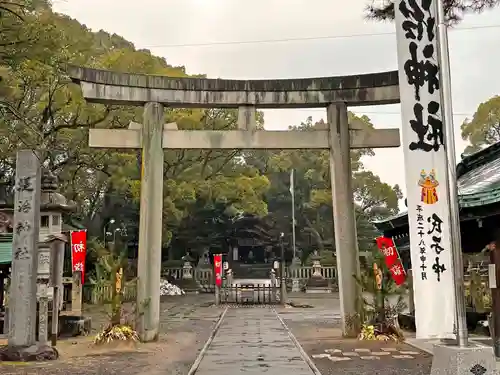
22	303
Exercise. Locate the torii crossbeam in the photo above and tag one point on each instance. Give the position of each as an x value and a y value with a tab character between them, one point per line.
242	139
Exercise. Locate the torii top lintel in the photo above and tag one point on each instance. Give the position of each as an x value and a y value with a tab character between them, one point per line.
102	86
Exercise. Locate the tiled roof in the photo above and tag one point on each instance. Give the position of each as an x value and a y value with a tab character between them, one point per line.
481	185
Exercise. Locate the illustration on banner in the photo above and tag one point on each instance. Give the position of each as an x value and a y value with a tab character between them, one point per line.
428	183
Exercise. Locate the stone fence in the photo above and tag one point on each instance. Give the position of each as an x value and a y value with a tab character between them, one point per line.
98	294
203	276
303	273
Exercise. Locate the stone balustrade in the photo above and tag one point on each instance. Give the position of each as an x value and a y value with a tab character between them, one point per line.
97	294
204	276
305	272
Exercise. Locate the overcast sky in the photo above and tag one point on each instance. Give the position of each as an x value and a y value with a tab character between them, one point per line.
166	26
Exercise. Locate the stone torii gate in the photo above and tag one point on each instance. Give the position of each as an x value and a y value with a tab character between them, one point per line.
155	92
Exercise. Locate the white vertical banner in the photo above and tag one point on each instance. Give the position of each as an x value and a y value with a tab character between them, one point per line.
425	167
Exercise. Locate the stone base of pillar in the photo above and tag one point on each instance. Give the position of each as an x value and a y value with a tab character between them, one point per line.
32	353
453	360
74	325
318	290
318	284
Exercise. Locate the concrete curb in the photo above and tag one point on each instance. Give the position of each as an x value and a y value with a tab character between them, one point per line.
200	356
429	345
303	353
418	345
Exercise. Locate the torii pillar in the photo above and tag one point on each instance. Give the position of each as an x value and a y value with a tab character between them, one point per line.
344	221
151	218
150	224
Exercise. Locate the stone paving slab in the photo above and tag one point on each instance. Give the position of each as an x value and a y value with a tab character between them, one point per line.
252	341
368	351
334	355
353	357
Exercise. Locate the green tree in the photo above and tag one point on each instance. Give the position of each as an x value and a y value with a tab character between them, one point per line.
373	198
455	9
18	21
484	127
44	111
41	109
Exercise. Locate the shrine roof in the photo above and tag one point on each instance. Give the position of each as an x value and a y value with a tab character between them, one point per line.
478	180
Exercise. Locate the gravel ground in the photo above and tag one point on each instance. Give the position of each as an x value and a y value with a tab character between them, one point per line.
186	324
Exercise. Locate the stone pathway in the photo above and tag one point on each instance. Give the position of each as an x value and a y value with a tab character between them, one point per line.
252	341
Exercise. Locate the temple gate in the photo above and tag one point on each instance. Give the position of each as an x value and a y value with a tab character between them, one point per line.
155	92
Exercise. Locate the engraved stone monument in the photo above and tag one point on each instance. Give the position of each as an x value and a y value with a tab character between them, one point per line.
22	305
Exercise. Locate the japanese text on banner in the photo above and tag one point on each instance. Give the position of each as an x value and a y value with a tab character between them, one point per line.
78	251
218	269
425	167
392	260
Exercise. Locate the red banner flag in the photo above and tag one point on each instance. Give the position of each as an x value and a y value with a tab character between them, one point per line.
392	261
398	272
218	269
387	247
78	251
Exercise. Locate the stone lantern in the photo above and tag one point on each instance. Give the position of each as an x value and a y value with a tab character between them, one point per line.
317	283
188	282
52	206
187	268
